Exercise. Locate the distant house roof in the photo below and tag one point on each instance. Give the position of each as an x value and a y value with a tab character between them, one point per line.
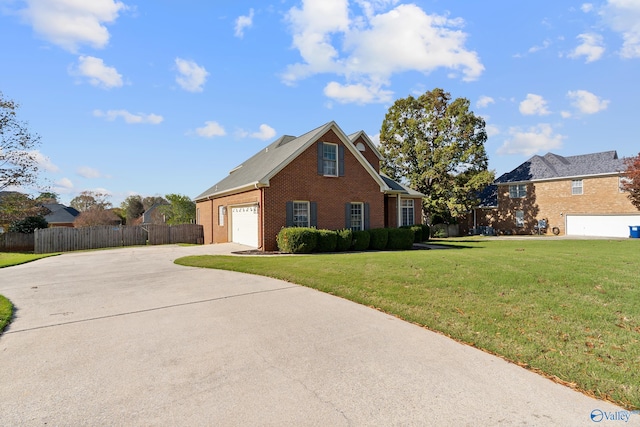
553	166
150	216
60	214
259	169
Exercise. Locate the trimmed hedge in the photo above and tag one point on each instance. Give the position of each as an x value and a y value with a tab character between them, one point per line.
297	240
400	238
379	238
426	232
327	240
344	240
360	240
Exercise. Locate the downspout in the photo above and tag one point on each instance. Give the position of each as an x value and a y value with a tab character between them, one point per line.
260	216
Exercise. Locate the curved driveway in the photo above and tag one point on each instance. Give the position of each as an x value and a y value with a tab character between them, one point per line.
126	337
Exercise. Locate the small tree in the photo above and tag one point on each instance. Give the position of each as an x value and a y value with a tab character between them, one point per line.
28	225
180	210
97	216
47	197
133	207
16	206
632	181
18	159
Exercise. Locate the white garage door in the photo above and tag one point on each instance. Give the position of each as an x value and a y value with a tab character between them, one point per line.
244	225
601	225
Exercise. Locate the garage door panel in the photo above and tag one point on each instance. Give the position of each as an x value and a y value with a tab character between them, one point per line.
244	225
601	225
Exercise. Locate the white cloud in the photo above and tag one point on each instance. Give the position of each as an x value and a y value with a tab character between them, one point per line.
531	141
492	130
545	44
586	102
128	117
368	49
87	172
565	114
72	23
97	72
484	101
586	7
623	16
357	93
63	186
592	47
242	23
44	162
534	105
211	129
265	133
191	76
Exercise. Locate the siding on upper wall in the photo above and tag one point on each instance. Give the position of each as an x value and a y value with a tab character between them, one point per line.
300	181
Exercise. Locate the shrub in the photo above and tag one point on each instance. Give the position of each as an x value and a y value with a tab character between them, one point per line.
379	238
426	232
297	240
344	239
417	232
400	238
327	240
28	225
360	240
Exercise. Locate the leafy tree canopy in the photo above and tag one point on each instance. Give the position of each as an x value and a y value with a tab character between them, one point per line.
88	200
97	216
632	182
180	210
16	206
436	146
18	158
47	197
28	225
132	207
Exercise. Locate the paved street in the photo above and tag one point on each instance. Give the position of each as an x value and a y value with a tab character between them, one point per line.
126	337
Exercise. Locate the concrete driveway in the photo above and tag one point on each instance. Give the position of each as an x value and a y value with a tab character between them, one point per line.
126	337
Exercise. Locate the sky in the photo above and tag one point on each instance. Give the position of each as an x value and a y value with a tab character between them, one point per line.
167	96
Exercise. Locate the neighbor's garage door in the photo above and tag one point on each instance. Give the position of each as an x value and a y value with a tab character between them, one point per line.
601	225
244	225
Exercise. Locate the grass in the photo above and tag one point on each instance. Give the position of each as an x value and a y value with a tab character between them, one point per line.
8	259
568	309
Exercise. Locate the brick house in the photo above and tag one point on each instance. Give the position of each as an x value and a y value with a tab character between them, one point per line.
574	195
322	179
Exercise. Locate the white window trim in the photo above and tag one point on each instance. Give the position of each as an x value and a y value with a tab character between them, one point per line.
575	187
302	202
326	144
518	194
222	211
413	210
361	215
519	224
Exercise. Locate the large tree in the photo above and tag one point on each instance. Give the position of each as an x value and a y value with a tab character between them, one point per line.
16	206
88	200
18	160
436	146
132	207
180	210
632	181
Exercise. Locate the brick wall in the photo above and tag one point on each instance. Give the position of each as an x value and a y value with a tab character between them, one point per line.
368	154
552	200
209	210
300	181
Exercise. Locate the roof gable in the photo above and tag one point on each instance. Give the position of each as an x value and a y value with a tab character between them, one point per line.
60	213
554	166
260	168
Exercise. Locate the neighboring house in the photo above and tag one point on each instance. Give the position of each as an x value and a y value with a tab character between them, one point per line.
573	195
153	215
322	179
60	215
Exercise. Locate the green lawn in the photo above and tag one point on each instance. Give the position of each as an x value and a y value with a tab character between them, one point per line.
7	259
569	309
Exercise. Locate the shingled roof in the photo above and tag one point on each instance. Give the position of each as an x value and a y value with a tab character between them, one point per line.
554	166
259	169
60	214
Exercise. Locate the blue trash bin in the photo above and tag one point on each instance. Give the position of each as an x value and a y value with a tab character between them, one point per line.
634	231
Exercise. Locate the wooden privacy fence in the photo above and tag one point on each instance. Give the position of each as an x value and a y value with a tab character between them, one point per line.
16	242
64	239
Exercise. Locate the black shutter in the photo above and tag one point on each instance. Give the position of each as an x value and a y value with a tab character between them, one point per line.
347	215
289	221
366	216
313	215
320	158
340	160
